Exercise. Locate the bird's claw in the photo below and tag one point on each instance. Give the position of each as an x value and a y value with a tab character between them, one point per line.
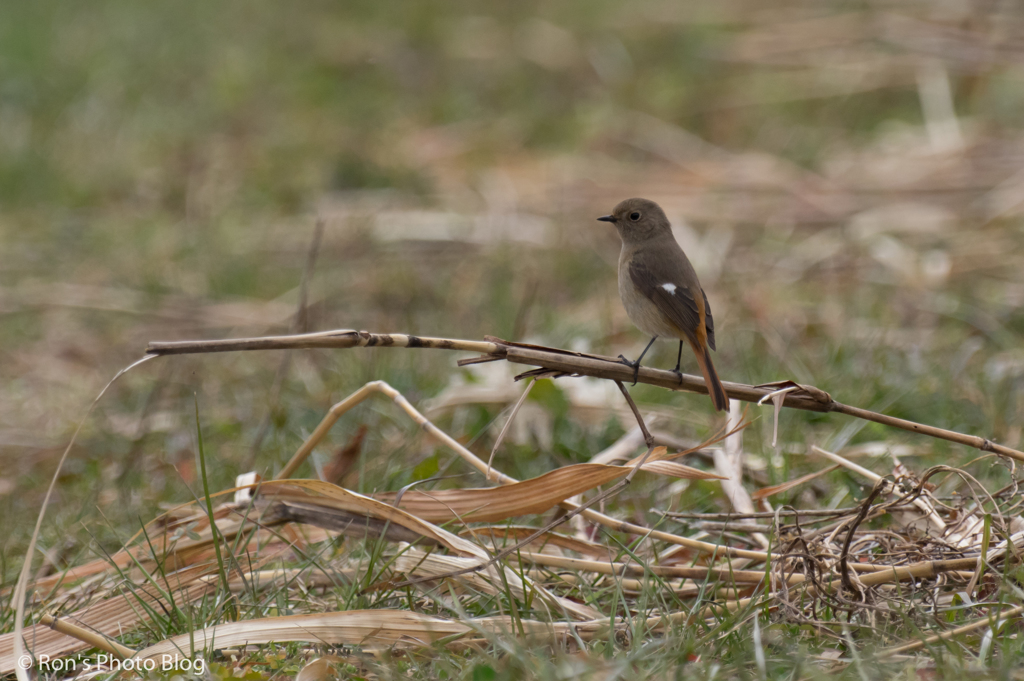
635	366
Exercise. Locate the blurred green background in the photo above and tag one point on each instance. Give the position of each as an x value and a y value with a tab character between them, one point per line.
847	177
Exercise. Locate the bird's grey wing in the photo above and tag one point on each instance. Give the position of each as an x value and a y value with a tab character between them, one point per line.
709	323
673	298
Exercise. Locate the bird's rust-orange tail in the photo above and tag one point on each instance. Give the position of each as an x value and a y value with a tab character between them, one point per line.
715	387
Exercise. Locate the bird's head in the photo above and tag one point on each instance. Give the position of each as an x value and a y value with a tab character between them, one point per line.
638	220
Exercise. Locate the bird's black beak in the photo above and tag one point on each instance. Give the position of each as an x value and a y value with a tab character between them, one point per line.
608	218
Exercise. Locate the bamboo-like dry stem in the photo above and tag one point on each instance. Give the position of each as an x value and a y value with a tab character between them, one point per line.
611	568
804	397
825	514
86	636
338	338
965	629
891	574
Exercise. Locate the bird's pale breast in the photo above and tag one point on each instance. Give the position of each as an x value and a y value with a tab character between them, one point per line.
641	310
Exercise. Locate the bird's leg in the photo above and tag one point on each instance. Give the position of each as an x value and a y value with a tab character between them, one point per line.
679	359
636	365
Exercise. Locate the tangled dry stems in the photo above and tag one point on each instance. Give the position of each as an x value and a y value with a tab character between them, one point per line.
899	556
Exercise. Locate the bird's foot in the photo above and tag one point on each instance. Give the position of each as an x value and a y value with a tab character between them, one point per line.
678	373
635	366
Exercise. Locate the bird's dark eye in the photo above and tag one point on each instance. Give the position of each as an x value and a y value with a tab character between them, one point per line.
634	216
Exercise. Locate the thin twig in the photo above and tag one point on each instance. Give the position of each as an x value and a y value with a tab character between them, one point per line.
648	438
844	563
302	316
504	428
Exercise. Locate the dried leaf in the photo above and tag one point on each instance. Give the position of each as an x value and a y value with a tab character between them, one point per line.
357	627
536	495
766	492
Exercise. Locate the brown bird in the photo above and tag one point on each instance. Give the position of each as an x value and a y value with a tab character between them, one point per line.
660	290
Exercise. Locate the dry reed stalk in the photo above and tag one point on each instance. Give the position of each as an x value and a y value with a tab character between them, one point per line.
612	568
946	635
890	574
683	589
805	397
91	638
338	338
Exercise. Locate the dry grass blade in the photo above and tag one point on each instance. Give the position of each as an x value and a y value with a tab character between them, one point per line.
111	617
423	565
766	492
550	542
326	494
381	628
21	588
338	497
532	496
729	463
371	628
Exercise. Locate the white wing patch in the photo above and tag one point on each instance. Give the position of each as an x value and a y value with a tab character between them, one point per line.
671	288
